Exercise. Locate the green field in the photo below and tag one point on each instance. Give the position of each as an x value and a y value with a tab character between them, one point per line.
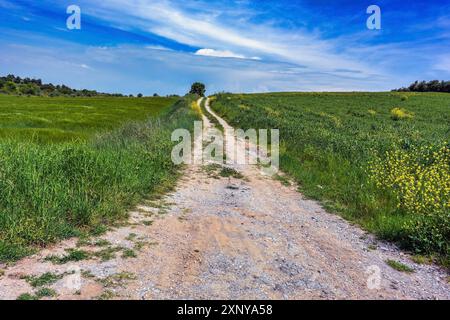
379	159
96	161
58	119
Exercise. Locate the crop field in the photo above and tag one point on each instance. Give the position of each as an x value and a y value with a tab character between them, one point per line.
67	187
59	119
379	159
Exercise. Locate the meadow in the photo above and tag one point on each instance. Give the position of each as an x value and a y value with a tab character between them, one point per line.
381	160
72	166
59	119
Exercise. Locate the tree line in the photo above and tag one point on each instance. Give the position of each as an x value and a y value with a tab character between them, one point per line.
35	87
424	86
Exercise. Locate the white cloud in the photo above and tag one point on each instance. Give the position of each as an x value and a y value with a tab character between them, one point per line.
156	47
222	54
198	29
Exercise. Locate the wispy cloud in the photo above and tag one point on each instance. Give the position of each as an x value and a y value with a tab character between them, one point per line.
166	19
222	54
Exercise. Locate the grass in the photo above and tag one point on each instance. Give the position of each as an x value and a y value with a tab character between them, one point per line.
399	266
129	253
330	140
27	297
46	292
117	279
107	295
215	170
420	259
41	293
102	243
51	191
73	255
45	279
227	172
62	119
108	253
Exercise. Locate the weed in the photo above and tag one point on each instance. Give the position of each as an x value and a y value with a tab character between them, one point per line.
230	172
419	259
102	243
83	242
27	296
215	170
46	292
283	179
106	295
139	245
73	255
147	222
45	279
117	280
107	253
131	237
129	253
399	266
87	274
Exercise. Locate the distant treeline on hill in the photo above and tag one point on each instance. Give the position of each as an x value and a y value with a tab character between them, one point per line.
34	87
430	86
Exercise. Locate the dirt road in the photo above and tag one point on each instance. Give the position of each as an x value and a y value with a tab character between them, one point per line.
245	236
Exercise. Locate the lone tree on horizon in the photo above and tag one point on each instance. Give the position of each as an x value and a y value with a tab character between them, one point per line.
198	88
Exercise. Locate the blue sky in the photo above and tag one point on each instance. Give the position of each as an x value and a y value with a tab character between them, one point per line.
231	45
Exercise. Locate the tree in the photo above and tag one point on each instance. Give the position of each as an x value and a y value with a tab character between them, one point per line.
10	87
434	86
140	95
198	88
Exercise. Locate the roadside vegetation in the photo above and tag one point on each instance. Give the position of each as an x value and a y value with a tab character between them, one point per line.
379	159
66	185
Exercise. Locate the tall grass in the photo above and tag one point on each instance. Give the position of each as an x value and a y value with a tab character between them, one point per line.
329	142
54	191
